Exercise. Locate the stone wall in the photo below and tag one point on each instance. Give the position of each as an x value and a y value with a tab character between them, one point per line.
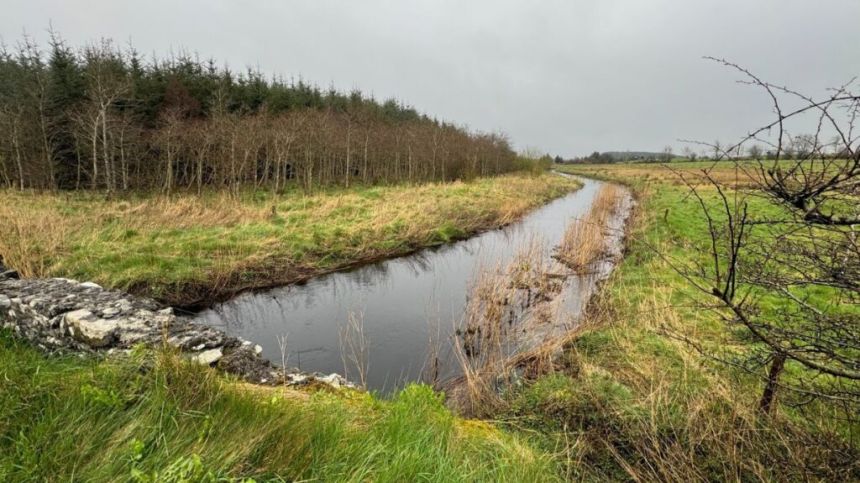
62	315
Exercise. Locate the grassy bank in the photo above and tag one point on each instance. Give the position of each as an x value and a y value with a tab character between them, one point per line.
629	400
626	400
153	417
189	249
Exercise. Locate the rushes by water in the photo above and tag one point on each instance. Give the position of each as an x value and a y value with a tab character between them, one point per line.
501	300
585	239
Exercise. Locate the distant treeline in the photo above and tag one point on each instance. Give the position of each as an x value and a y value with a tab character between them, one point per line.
630	156
798	147
100	117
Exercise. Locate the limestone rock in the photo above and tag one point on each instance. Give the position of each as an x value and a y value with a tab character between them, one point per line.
92	330
245	363
61	314
207	358
333	380
110	312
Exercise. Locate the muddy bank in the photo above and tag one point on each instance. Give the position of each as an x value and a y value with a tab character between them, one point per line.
62	315
272	275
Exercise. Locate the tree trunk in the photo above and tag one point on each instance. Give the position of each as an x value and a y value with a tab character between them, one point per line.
366	141
233	181
6	180
168	184
49	156
18	159
200	158
95	142
105	155
348	133
78	161
769	395
122	161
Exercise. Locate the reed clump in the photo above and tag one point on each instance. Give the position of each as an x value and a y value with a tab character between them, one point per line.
585	240
509	305
505	302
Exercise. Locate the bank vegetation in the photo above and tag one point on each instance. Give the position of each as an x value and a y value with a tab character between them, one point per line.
189	249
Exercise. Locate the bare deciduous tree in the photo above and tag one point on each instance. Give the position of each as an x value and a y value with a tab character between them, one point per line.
181	124
789	276
754	152
667	153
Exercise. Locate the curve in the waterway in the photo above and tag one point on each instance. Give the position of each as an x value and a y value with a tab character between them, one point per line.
404	303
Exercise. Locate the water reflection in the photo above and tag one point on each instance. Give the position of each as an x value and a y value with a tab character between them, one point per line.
405	302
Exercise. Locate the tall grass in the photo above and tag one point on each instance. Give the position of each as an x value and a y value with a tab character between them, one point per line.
186	248
506	304
485	337
155	417
585	239
628	400
355	349
33	243
628	404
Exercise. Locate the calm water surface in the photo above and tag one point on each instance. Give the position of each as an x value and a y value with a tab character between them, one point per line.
403	302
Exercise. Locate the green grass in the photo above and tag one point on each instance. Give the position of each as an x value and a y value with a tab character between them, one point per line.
189	248
626	402
632	402
152	417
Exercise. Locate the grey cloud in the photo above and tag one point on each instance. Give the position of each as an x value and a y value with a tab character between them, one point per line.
568	77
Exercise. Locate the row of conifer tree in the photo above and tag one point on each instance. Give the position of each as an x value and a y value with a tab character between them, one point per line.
102	117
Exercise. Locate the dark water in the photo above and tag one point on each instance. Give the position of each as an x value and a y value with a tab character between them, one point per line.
403	302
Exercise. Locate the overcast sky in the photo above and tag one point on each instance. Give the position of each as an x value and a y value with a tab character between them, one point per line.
567	77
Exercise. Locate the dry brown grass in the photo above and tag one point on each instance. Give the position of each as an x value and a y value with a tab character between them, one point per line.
500	297
354	348
185	211
585	240
511	324
32	244
187	249
743	175
483	338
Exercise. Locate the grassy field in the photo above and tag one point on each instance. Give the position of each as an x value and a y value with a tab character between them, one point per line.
629	401
744	173
626	401
153	417
188	249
